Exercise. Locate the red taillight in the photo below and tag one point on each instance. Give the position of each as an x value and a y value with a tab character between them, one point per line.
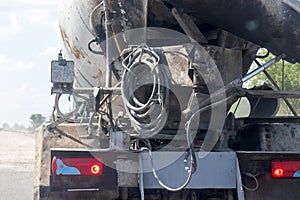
77	166
286	169
96	169
277	173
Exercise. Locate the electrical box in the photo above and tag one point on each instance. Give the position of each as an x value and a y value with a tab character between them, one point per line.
62	76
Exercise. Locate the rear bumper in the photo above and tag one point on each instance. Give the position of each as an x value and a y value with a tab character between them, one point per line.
215	170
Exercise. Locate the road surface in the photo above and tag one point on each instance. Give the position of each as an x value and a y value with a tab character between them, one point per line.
16	165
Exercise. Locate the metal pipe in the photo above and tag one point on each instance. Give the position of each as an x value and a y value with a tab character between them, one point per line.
282	75
262	68
270	94
108	33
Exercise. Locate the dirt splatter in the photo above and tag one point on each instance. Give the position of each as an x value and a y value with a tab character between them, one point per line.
78	53
99	75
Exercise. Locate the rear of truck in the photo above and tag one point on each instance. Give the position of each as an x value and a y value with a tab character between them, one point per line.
152	86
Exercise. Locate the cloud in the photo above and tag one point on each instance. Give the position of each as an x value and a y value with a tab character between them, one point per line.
30	3
11	28
22	101
8	65
35	2
18	15
29	40
40	17
49	52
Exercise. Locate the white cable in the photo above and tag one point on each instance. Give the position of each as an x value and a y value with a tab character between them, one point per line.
144	57
67	116
256	182
188	123
162	184
92	15
141	179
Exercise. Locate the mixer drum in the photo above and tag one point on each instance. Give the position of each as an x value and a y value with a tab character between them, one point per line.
82	21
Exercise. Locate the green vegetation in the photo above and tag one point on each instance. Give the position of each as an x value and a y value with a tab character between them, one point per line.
36	120
287	78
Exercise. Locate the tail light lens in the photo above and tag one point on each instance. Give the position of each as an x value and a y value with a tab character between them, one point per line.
286	169
76	166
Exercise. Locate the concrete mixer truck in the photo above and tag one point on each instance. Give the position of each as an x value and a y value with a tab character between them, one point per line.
152	84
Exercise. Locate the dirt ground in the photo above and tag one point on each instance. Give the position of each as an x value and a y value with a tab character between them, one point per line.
16	165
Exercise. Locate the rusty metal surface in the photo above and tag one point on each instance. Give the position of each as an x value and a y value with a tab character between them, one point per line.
189	26
226	60
278	137
244	121
269	23
76	34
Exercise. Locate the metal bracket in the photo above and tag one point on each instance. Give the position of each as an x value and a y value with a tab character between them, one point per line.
189	26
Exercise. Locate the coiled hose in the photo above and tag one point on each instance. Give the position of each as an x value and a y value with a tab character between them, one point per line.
143	70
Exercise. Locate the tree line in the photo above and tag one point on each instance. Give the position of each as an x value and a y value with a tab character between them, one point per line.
36	120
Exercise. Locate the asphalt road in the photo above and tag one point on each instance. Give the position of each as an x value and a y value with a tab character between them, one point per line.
16	166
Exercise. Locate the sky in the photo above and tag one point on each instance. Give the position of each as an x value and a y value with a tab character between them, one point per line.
29	40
